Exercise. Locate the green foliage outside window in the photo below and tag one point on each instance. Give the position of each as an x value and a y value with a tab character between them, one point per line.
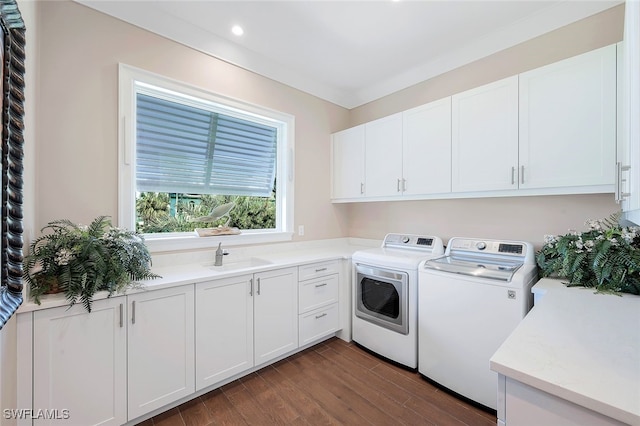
158	212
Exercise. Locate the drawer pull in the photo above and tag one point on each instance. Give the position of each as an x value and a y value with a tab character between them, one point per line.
321	269
321	285
321	315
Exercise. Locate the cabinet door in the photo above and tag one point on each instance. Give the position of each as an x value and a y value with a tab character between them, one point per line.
348	163
426	148
161	348
224	329
275	313
383	156
79	363
485	137
568	122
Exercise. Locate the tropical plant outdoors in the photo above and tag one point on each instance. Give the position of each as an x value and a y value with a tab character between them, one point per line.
605	257
82	260
158	212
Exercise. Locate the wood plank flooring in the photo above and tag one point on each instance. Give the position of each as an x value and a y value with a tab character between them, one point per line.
332	383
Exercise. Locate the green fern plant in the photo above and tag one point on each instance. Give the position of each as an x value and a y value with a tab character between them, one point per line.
606	257
82	260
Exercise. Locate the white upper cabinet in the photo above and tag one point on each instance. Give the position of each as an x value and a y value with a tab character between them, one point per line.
383	156
426	148
568	122
551	130
348	163
485	137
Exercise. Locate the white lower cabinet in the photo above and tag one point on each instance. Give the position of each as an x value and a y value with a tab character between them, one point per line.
523	405
224	329
80	364
161	348
318	301
275	309
244	321
138	353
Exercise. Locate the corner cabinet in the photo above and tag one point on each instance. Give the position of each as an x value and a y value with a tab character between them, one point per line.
77	354
347	151
161	348
568	122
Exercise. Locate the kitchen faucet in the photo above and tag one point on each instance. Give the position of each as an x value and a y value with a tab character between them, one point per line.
219	254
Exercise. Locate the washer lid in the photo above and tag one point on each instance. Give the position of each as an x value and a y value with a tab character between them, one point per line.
477	267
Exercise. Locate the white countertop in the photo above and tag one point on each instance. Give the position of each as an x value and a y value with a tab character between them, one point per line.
189	268
580	346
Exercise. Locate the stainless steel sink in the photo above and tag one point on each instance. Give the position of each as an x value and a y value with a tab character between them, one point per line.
248	263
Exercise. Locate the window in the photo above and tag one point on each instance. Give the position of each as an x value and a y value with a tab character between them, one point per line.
186	152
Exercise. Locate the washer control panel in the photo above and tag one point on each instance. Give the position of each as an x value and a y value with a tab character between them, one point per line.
494	247
410	241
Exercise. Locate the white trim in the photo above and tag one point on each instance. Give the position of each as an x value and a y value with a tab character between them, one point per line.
128	77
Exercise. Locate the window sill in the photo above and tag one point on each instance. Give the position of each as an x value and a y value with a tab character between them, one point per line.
183	241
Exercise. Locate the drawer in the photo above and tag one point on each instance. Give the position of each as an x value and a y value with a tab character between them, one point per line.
313	294
315	270
317	324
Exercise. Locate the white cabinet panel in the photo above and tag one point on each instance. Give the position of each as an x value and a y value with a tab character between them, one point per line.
76	354
348	163
161	348
318	292
383	156
568	122
224	329
317	324
275	309
485	137
426	148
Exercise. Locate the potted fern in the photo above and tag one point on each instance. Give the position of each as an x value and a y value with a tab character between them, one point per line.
605	257
82	260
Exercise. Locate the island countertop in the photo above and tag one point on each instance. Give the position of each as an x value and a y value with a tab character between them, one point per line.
580	346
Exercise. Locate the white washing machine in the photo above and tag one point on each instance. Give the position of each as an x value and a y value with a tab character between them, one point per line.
385	295
469	301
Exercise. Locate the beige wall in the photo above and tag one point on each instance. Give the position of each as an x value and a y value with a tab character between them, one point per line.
526	218
79	52
76	159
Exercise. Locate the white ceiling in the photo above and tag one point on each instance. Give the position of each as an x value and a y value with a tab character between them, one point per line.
350	52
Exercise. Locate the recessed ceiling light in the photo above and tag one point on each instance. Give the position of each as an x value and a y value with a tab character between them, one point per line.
237	30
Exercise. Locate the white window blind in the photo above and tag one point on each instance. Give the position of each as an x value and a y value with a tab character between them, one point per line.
185	149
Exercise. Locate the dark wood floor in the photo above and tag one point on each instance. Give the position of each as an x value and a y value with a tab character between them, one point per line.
333	383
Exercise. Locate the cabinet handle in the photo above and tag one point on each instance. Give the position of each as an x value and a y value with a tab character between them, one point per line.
121	316
513	175
251	287
321	315
321	269
404	185
398	185
361	188
133	312
521	174
321	285
258	291
619	194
